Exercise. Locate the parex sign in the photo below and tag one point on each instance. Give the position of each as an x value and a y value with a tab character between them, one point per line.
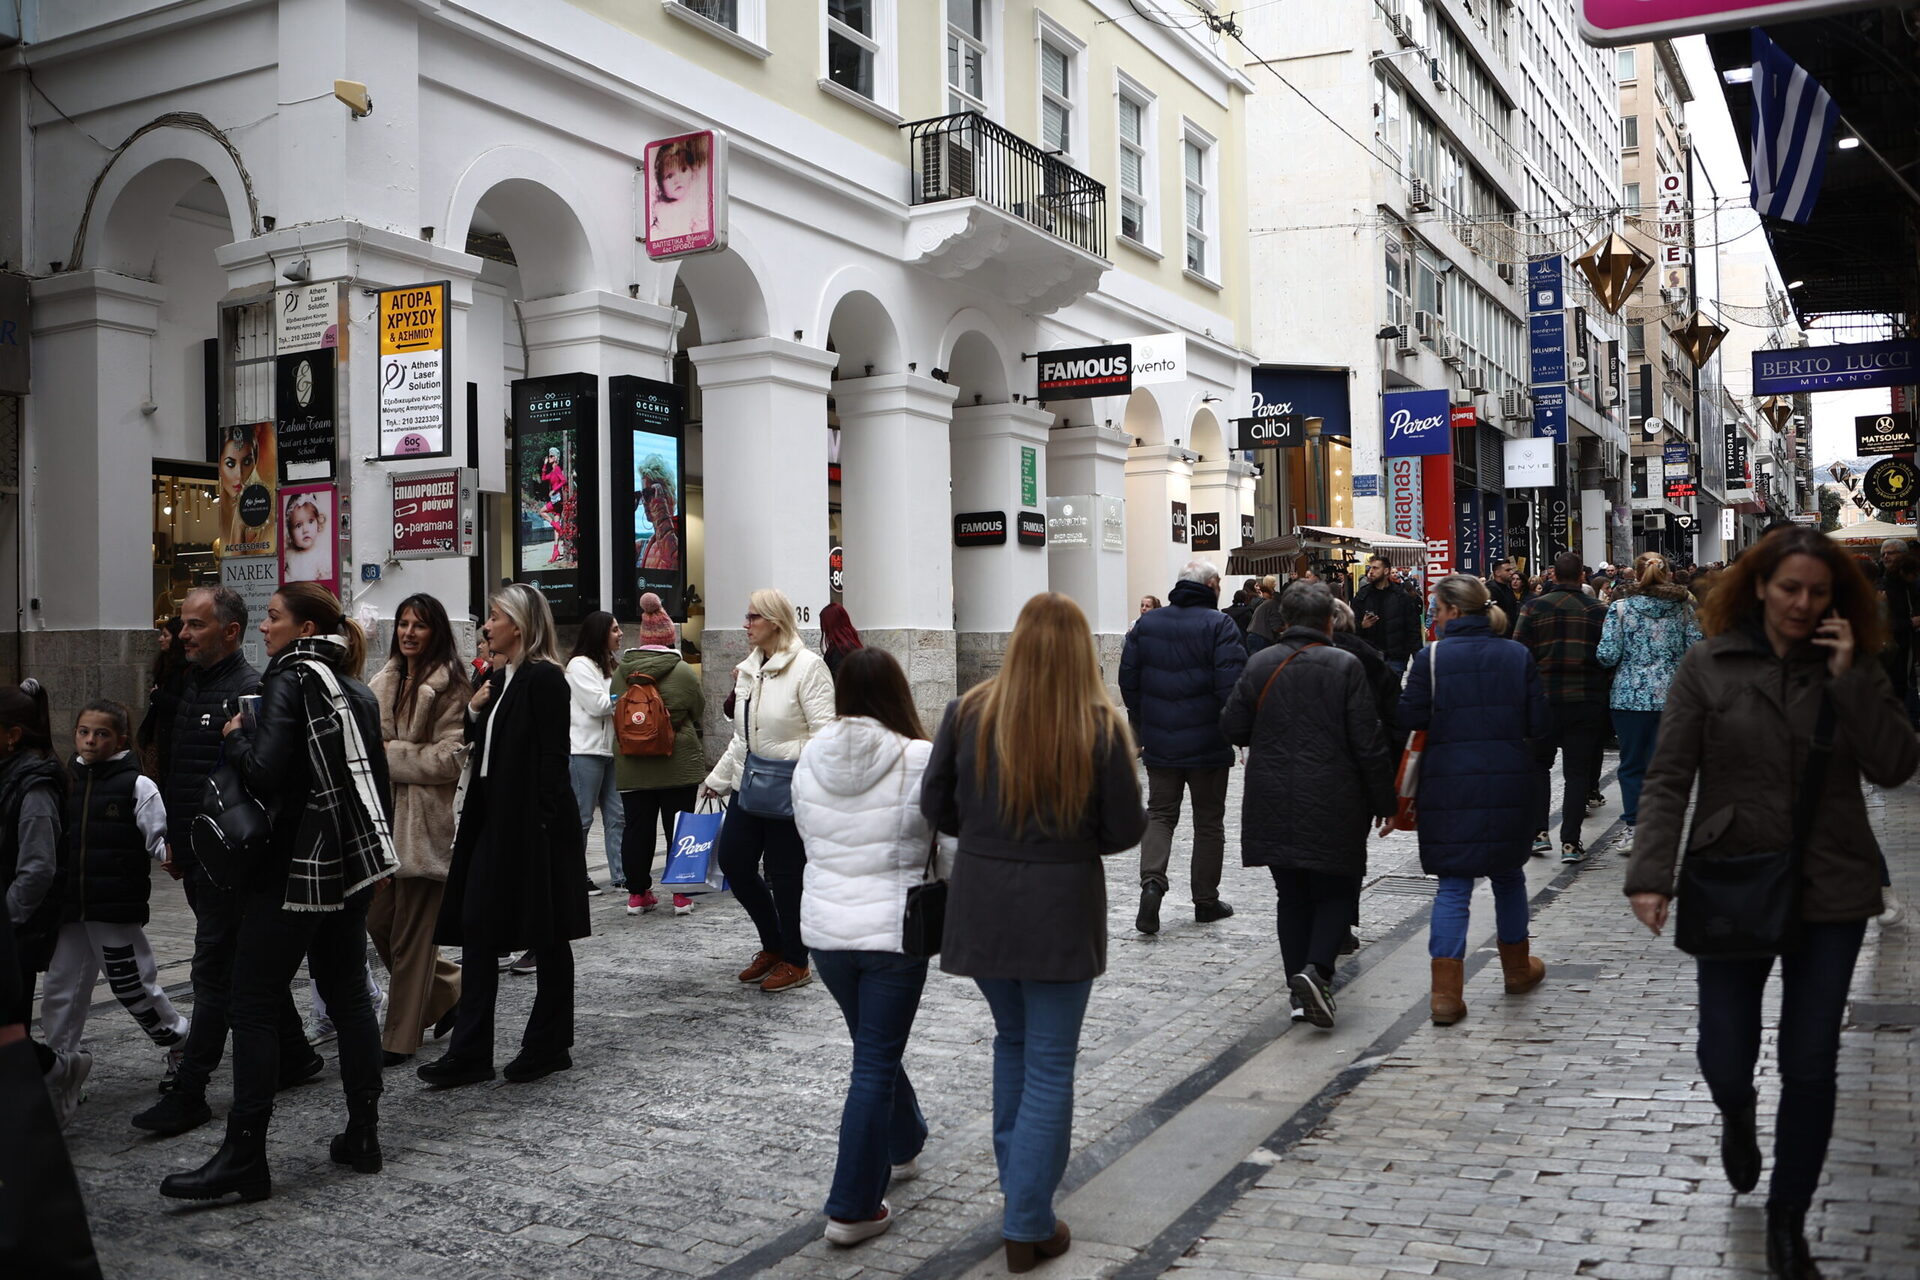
1415	424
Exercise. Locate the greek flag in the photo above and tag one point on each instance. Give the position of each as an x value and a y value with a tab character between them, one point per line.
1793	121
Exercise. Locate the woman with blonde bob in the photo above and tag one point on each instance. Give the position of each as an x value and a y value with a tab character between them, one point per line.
1033	771
782	697
519	855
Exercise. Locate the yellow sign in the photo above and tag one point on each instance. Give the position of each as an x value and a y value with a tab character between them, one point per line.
413	319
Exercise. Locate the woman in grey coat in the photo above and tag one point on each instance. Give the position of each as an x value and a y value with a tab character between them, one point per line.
1033	771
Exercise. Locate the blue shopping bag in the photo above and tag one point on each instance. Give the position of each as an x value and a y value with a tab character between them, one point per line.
693	863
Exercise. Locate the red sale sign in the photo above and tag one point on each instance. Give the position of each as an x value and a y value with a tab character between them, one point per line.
1615	22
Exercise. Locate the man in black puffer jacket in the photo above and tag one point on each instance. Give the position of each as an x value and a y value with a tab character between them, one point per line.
1317	775
212	621
1176	671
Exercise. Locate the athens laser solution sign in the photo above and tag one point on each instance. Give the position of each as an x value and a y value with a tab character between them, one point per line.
1414	424
1839	368
416	395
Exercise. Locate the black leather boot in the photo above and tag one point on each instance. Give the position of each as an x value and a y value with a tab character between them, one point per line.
239	1165
359	1146
1787	1256
1740	1147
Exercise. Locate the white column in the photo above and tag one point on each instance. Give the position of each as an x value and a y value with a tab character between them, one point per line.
1084	461
1225	486
991	583
1158	476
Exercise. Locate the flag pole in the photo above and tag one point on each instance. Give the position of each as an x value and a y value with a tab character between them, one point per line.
1884	163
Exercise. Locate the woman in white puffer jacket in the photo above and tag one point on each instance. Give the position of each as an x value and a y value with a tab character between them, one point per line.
856	800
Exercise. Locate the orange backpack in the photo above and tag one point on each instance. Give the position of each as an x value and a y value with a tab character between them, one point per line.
641	720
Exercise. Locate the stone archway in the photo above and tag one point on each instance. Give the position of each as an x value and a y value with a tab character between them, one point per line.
121	226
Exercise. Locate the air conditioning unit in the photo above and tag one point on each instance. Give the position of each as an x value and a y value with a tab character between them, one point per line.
1653	521
1419	196
946	168
1404	343
1515	406
1398	24
1451	351
1506	271
1426	327
1476	381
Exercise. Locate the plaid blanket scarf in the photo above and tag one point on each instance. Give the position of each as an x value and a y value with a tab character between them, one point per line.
343	843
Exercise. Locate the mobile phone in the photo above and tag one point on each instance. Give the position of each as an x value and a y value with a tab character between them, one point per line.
250	711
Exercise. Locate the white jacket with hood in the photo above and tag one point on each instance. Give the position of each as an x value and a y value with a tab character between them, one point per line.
778	703
856	801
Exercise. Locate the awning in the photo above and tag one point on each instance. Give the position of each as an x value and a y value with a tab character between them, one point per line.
1871	533
1402	553
1274	555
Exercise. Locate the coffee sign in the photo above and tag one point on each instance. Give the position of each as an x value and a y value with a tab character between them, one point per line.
1882	433
1890	484
980	529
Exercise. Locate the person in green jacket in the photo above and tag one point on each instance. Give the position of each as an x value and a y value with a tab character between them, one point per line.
655	790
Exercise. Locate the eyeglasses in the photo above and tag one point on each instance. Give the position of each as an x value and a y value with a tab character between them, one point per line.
754	617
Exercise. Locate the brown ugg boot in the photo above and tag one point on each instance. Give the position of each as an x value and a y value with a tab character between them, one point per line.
1449	976
1523	969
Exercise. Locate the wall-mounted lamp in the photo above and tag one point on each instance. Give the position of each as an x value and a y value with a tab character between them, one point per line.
148	408
1388	332
300	271
1209	399
869	369
355	96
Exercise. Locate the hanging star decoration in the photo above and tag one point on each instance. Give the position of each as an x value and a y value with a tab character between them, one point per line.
1700	337
1614	268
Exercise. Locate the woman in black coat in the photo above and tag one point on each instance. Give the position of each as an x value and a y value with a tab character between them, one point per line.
519	857
311	753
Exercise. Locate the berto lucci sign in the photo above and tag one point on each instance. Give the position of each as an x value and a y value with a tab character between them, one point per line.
1416	439
1854	364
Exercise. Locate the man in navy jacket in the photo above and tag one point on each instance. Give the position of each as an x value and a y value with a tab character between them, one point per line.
1176	673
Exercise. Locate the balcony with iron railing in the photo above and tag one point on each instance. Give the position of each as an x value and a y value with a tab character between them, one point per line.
991	207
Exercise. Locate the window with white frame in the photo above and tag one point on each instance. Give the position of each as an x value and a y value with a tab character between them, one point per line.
1629	132
968	64
1056	97
1135	121
859	53
742	23
1196	168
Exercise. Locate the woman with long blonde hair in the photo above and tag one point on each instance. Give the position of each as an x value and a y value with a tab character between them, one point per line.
1033	771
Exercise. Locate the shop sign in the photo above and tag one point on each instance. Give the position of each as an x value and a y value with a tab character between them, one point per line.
1463	417
1528	463
1403	498
980	529
1676	231
1180	523
1736	456
1366	486
646	431
1469	505
1159	357
255	579
1726	524
1681	487
556	472
416	391
1493	527
1032	529
1854	364
1550	413
434	513
1280	392
1547	341
1113	524
1414	423
837	571
1206	531
1618	22
1890	483
1029	476
1883	433
16	340
306	318
1246	530
684	181
1436	497
310	535
1901	399
1686	524
1080	373
248	476
1677	458
303	397
1277	431
1546	283
1070	521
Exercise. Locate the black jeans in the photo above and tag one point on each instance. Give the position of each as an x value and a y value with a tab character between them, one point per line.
1578	729
645	809
1814	982
549	1030
271	943
775	910
1312	911
217	915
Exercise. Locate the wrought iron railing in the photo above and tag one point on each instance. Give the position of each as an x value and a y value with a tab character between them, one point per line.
965	156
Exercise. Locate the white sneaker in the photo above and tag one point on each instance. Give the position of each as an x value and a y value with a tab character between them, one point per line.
854	1232
1893	910
1624	845
321	1030
66	1083
907	1171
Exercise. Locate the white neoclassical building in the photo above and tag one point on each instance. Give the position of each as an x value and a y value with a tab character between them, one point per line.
920	199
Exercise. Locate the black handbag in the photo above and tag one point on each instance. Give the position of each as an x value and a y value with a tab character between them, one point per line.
1746	906
926	915
232	830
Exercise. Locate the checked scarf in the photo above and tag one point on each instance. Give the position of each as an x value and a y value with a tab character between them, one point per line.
343	843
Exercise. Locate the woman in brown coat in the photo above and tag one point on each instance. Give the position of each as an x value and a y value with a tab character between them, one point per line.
423	694
1792	627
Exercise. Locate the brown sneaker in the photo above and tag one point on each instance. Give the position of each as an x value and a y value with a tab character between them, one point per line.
763	963
784	976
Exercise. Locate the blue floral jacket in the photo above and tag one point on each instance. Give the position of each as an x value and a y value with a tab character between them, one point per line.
1645	637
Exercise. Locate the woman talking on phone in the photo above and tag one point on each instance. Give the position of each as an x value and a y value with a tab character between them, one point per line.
1779	714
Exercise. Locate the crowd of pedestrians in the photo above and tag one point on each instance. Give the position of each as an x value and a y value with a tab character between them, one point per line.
432	808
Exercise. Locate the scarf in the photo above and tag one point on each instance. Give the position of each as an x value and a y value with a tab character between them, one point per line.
344	842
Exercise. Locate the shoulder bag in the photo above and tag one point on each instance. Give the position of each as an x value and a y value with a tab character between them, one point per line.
231	832
1406	780
926	915
1746	906
766	786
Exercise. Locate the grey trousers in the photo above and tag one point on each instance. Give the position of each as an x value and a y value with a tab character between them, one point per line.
1165	788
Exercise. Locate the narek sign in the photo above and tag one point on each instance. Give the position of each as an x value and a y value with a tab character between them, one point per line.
416	395
1839	368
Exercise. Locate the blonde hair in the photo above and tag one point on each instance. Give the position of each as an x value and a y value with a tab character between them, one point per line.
1040	723
772	604
1464	593
1650	567
527	609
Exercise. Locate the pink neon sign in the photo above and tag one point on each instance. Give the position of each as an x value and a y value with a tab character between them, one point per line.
1613	22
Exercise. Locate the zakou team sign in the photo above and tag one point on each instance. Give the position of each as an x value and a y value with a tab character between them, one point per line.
416	402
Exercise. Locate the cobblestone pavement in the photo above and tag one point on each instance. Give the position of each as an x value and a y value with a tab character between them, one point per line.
695	1136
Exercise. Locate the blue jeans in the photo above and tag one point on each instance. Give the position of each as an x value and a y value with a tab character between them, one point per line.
1813	1001
1447	936
1637	731
593	785
1036	1040
880	1125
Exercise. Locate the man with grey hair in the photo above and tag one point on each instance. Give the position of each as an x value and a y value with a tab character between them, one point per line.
1179	665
